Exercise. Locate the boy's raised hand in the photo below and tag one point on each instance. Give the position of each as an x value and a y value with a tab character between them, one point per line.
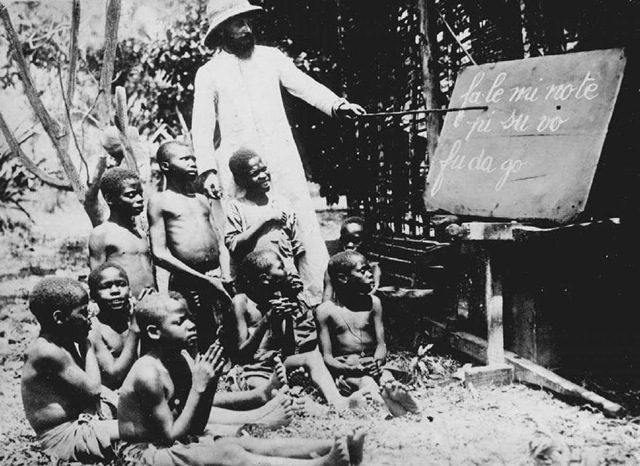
207	367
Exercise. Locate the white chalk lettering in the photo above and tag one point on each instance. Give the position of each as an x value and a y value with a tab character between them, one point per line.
517	122
482	163
453	161
508	167
480	125
551	123
527	93
493	96
587	88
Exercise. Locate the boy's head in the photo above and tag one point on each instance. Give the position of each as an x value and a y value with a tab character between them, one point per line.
164	320
109	288
351	269
61	305
249	171
176	160
261	273
208	184
122	190
352	233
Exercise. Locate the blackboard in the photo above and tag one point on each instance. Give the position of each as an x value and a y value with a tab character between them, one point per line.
533	153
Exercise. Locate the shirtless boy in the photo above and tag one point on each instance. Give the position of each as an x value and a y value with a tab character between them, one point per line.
61	383
114	332
118	239
258	219
352	238
166	400
351	333
266	320
184	241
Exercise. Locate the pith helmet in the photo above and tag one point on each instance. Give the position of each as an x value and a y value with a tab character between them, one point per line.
218	11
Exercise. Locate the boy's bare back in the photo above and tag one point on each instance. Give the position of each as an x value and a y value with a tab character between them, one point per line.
114	243
55	388
189	235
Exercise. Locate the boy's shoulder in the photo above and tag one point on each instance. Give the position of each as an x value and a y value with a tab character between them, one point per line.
45	355
327	309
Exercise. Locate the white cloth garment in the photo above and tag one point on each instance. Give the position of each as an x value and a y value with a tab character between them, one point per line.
242	98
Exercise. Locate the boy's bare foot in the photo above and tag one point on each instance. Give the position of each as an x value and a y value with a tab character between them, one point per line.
395	408
339	454
400	394
355	443
277	380
276	413
312	408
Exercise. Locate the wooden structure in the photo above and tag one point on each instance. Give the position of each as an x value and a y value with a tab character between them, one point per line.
389	157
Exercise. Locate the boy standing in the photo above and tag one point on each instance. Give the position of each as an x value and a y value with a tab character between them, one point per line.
118	239
61	383
166	401
114	332
258	220
184	241
267	320
351	333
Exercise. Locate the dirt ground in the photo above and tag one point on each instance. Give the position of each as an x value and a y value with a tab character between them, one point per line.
458	425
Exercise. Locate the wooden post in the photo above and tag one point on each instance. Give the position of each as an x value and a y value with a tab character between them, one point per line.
430	78
494	308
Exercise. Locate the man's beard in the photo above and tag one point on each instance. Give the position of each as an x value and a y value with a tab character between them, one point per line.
241	47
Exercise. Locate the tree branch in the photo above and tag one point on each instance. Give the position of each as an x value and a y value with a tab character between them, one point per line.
27	162
106	75
122	123
50	126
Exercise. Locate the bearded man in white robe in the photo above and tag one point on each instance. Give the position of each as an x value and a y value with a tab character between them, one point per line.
238	105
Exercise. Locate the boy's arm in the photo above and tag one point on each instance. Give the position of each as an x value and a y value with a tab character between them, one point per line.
240	239
97	251
244	345
324	340
327	293
377	274
114	370
151	389
84	384
162	254
380	355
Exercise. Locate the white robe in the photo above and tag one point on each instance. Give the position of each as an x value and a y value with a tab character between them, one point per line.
243	98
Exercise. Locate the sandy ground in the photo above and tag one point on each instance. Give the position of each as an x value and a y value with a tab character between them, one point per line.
458	426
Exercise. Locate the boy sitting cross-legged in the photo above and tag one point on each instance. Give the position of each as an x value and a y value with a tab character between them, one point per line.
165	405
114	332
118	239
351	333
184	241
267	319
61	383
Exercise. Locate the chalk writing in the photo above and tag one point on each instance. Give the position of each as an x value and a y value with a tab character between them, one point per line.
533	152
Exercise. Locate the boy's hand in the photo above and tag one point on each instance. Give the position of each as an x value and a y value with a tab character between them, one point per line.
373	368
276	216
133	323
282	307
207	367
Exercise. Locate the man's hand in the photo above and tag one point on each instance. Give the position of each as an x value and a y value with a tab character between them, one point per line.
207	367
348	110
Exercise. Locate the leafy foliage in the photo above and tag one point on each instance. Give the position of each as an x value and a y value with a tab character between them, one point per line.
15	180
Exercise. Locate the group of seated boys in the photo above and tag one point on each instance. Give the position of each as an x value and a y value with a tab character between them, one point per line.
138	379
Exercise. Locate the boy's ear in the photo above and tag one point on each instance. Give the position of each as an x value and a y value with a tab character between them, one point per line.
343	278
263	278
153	331
58	316
164	166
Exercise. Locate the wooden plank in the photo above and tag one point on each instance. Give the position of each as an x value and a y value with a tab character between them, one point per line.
524	370
533	154
493	305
